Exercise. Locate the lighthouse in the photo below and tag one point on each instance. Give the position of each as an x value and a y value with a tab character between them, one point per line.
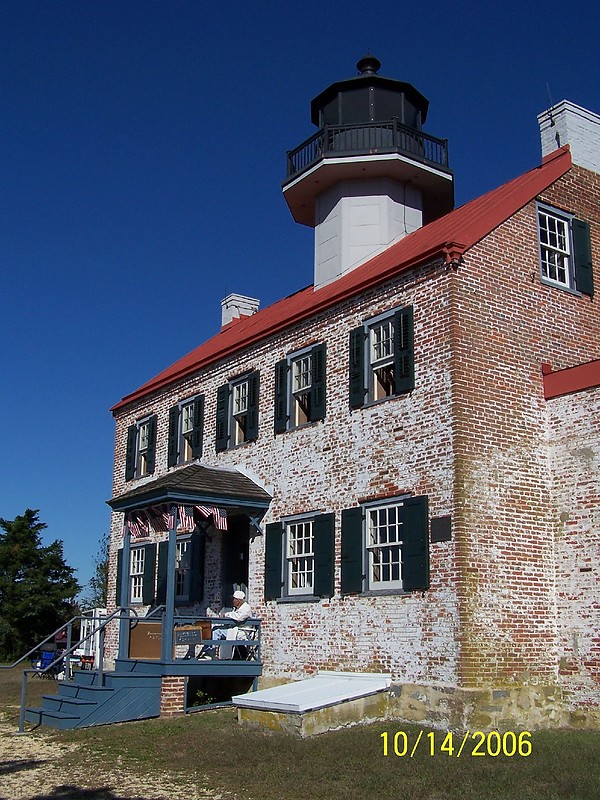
370	175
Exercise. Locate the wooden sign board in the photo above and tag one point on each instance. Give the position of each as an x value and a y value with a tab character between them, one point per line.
145	640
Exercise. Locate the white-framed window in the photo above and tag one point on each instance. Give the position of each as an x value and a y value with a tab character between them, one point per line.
300	388
237	411
384	547
382	382
182	568
381	358
186	421
141	445
565	250
137	562
187	429
555	247
142	451
299	557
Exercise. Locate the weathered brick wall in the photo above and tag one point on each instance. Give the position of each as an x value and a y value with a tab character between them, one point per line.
574	441
333	464
472	436
506	323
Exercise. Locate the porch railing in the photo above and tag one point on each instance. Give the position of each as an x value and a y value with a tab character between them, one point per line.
63	656
367	138
195	633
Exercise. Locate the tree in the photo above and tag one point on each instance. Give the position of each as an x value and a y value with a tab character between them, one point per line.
37	588
97	588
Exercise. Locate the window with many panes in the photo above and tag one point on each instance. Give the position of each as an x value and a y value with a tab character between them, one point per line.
141	447
186	422
300	558
564	250
300	388
237	411
385	546
555	247
381	358
300	565
381	343
136	574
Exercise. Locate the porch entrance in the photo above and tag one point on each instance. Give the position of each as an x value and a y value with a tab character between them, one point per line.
236	546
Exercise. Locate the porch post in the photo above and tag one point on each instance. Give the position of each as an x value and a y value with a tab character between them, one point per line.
124	596
169	616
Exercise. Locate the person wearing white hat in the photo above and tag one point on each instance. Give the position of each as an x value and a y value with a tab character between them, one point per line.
240	613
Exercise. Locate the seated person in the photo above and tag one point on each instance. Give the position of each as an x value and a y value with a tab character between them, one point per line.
240	613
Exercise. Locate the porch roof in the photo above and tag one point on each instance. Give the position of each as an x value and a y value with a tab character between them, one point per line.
195	484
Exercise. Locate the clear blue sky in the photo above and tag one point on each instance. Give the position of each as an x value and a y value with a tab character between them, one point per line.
143	147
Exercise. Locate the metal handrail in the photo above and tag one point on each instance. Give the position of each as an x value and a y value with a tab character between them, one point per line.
367	137
65	654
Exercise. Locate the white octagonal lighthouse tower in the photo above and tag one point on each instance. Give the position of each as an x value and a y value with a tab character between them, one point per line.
369	175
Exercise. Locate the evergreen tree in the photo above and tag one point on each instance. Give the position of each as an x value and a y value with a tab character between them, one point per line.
37	588
97	588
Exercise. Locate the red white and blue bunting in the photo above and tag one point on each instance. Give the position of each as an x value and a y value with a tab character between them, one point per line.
142	522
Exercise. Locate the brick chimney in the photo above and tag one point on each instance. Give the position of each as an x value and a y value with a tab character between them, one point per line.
235	306
566	123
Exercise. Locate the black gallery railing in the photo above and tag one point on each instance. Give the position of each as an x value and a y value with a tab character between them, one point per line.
367	139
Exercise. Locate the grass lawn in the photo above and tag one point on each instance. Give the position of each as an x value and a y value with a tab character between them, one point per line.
210	749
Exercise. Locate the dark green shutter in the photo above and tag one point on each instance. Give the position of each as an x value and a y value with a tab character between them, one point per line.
151	452
149	574
198	429
173	451
130	452
404	370
161	580
357	367
273	553
318	380
324	554
222	433
414	516
352	550
281	395
582	251
119	576
197	567
252	417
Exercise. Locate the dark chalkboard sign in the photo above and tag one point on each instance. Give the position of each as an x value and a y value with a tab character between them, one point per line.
188	634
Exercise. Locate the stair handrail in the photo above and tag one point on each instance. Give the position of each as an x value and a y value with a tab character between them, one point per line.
38	646
65	655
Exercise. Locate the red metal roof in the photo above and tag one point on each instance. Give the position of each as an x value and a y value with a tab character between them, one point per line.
449	237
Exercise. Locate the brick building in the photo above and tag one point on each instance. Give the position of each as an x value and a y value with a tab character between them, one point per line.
406	453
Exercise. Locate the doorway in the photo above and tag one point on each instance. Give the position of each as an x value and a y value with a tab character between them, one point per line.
236	545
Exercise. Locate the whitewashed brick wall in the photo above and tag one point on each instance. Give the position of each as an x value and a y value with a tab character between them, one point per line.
473	436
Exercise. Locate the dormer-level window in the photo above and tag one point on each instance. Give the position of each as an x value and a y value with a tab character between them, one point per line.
300	388
186	424
237	411
141	448
381	358
565	250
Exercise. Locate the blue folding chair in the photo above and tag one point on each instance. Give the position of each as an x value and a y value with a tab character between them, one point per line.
41	664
